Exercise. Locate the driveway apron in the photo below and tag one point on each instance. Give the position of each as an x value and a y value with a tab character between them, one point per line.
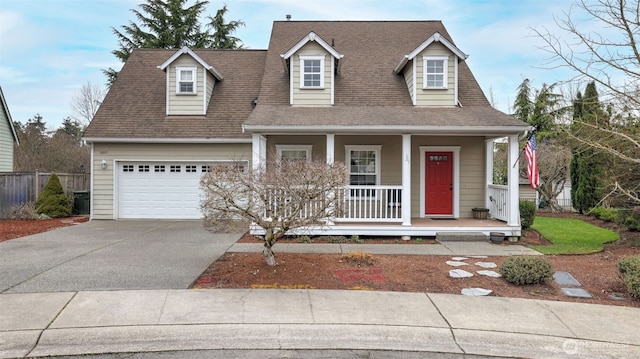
111	255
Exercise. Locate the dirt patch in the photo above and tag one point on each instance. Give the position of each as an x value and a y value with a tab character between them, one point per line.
597	272
10	229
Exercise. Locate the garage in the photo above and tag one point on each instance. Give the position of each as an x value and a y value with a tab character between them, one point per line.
162	190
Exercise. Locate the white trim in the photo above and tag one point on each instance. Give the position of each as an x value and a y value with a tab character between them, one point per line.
406	180
489	146
258	151
194	76
376	148
165	140
306	148
455	81
333	81
331	143
304	58
186	50
291	86
168	92
498	131
434	38
312	36
456	177
204	93
415	84
513	182
6	109
445	74
91	180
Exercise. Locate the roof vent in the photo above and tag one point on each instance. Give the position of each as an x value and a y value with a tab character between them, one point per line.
288	16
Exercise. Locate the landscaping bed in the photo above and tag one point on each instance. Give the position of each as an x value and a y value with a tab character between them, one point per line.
10	229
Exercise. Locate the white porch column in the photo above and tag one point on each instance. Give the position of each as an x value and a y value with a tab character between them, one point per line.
331	142
513	182
259	151
406	180
488	170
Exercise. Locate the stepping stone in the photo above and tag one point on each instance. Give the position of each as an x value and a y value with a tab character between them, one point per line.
459	258
486	264
616	297
576	293
489	273
456	264
565	278
459	273
478	257
475	292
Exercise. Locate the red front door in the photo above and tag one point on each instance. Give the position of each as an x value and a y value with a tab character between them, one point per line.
438	183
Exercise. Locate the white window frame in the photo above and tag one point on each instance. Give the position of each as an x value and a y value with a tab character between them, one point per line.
304	58
194	76
306	148
375	148
445	71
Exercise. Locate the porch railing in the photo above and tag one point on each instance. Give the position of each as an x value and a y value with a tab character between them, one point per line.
499	198
365	203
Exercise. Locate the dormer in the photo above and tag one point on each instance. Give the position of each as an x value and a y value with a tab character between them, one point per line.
312	65
431	72
190	82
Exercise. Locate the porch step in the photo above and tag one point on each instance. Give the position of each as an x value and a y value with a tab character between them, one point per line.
461	237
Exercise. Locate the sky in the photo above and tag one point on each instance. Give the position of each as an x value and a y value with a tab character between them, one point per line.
50	48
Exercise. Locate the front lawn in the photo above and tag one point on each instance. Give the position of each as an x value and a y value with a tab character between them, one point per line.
571	236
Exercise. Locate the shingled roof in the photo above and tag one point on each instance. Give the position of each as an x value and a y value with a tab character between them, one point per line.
135	107
368	94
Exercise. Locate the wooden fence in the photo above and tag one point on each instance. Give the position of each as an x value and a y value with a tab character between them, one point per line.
21	187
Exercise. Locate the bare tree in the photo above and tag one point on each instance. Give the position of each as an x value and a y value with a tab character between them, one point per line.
284	196
606	50
553	159
86	102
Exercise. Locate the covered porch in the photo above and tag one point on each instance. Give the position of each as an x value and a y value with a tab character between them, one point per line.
397	208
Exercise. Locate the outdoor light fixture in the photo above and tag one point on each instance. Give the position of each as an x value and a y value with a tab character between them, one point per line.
103	164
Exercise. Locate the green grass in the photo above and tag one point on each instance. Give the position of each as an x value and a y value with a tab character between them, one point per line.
571	236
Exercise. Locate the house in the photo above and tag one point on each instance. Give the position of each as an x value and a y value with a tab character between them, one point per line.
394	100
8	136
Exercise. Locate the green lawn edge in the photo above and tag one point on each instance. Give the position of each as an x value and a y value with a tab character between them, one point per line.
571	236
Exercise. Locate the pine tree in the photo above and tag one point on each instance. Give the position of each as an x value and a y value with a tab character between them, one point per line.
52	201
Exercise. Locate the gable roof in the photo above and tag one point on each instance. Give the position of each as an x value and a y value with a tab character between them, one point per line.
134	110
188	51
311	37
368	92
5	108
434	38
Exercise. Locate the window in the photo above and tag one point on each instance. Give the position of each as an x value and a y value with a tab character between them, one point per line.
364	167
174	169
190	168
186	80
312	72
206	168
158	168
127	168
435	72
294	152
143	168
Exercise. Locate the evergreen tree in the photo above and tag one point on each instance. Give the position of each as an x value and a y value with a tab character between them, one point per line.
52	201
171	24
587	164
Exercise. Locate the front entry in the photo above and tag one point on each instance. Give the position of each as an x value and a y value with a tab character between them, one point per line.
438	183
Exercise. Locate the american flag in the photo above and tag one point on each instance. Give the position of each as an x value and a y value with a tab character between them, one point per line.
532	167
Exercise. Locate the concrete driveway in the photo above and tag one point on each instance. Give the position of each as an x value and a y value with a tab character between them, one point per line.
111	255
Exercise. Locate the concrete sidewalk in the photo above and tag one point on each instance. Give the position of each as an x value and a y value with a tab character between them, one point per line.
73	323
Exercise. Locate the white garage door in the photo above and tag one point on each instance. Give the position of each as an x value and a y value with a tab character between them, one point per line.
159	190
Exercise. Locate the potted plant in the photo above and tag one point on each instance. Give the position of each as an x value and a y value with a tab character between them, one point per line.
480	213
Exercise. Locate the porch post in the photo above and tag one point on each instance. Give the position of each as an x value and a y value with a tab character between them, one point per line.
331	141
513	214
488	170
258	150
406	180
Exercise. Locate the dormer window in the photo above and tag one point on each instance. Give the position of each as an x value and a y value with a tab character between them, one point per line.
186	80
435	72
311	72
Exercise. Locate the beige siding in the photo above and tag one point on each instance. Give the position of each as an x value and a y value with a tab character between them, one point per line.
318	151
312	97
408	77
6	143
211	82
103	180
435	97
186	104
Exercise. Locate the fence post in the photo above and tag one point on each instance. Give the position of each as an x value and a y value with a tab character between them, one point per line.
37	186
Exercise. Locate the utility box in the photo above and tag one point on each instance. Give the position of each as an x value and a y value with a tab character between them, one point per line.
81	203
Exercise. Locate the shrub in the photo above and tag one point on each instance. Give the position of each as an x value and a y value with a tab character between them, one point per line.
526	270
633	284
605	214
23	211
359	258
629	265
527	213
52	201
630	218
